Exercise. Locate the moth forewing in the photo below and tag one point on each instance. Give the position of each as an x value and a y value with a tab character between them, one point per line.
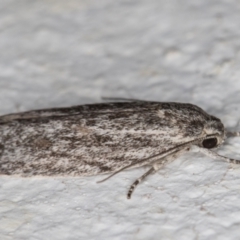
104	138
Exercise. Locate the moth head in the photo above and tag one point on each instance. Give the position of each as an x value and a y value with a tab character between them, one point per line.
213	133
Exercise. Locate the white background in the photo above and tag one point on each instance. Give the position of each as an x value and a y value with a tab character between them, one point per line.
61	53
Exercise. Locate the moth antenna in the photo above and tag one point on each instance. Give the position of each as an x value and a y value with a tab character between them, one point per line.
130	165
214	155
232	134
118	171
123	99
162	154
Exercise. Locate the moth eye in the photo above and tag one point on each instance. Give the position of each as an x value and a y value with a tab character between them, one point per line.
210	143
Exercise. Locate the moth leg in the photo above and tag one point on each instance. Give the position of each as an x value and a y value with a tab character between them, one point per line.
133	186
232	134
156	166
214	155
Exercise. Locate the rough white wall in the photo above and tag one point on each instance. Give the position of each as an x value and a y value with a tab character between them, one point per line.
60	53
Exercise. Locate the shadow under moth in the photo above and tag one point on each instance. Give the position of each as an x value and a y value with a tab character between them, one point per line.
106	138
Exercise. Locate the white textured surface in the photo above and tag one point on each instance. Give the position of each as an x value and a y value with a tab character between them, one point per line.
60	53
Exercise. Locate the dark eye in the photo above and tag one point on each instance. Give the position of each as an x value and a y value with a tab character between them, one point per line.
209	143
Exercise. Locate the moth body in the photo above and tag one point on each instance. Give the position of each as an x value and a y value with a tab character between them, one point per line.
103	138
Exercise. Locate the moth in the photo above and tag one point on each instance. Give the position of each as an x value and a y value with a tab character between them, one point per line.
106	138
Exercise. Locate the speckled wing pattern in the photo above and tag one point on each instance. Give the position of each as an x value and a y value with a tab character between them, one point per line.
93	139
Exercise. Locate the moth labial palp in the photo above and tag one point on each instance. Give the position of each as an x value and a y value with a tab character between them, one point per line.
105	138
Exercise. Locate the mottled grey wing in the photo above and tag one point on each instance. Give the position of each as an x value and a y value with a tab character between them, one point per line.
88	139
